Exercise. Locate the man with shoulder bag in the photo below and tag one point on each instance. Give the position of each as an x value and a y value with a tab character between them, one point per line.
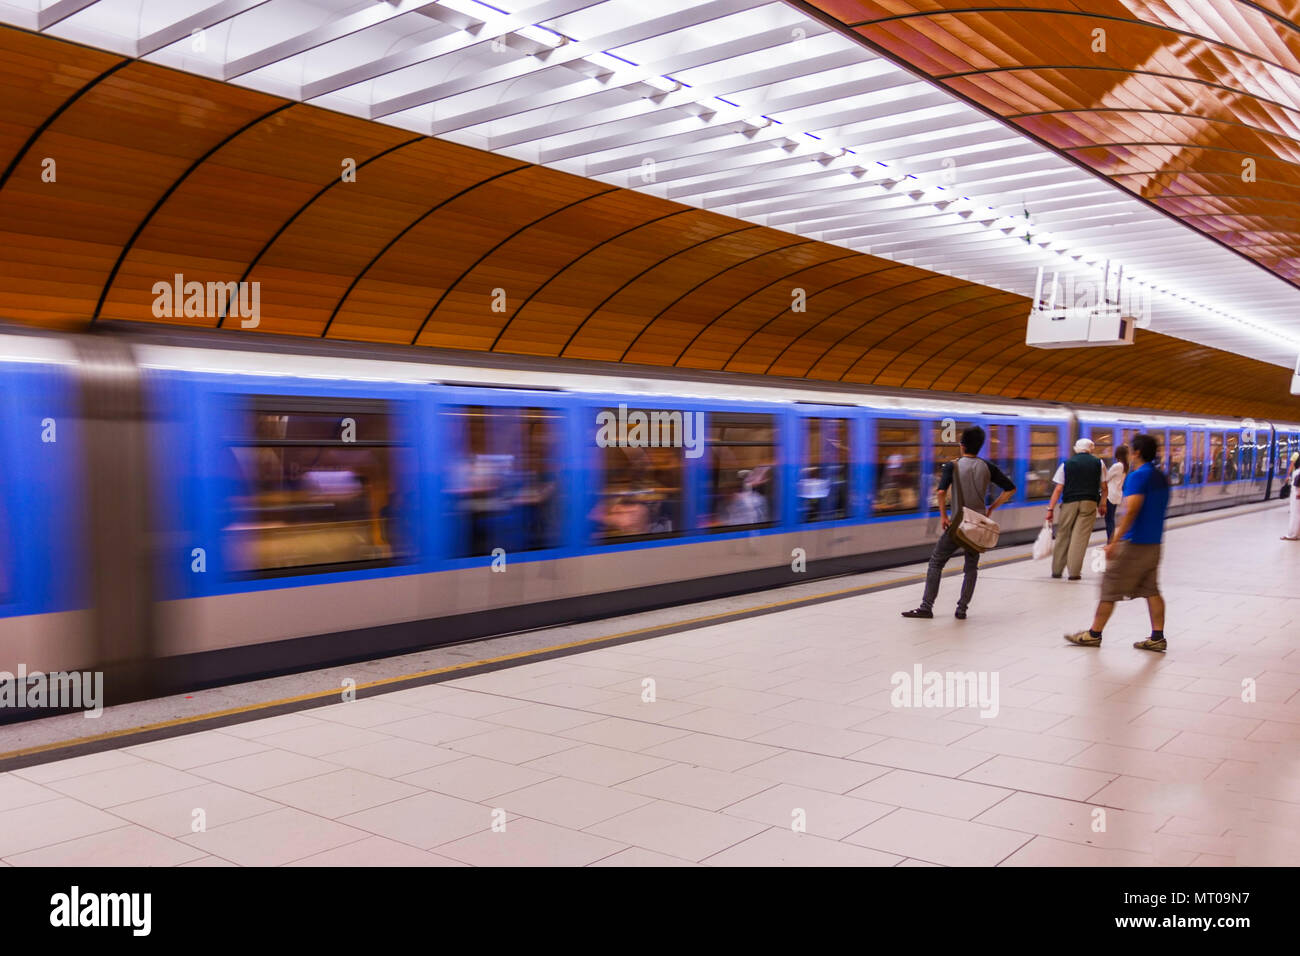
970	528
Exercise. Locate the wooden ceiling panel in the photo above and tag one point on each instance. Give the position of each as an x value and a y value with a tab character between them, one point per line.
273	169
619	322
960	314
674	327
722	334
410	277
528	261
825	292
438	244
942	362
827	349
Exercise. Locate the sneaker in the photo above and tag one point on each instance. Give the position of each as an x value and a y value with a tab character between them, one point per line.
1076	577
919	612
1084	639
1057	576
1151	645
960	614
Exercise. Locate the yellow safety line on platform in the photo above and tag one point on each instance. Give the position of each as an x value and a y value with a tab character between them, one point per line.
518	655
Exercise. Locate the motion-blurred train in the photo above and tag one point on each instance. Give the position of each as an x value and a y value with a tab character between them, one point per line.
182	509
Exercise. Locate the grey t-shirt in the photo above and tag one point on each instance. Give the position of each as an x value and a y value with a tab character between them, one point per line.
975	475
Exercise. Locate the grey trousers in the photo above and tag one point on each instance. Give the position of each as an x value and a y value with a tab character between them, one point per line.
944	549
1073	529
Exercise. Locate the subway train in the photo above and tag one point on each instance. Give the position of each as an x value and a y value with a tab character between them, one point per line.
183	508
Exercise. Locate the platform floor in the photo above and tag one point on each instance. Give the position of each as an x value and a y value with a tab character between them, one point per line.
760	727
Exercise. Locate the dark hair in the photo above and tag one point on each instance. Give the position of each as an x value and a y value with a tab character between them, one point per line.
972	440
1147	447
1121	456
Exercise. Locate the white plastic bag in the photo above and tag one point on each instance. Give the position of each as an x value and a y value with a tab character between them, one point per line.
1043	543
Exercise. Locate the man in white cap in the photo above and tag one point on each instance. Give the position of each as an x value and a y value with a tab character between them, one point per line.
1079	481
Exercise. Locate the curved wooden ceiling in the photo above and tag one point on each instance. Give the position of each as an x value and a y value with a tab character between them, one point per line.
159	172
1193	105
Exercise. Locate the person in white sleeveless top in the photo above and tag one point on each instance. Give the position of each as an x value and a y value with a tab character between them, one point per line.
1115	475
1293	525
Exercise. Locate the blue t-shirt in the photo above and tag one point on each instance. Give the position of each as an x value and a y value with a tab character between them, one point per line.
1149	526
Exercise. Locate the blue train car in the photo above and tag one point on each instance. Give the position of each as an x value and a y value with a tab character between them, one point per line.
311	503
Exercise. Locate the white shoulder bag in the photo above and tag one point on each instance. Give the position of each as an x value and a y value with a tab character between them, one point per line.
973	531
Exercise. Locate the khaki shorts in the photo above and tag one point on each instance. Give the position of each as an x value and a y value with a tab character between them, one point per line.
1131	573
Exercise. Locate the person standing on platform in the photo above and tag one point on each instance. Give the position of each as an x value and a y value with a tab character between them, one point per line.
1079	489
1293	525
975	475
1133	559
1115	476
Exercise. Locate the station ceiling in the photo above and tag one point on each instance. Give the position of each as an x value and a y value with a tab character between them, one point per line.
1192	105
782	115
158	172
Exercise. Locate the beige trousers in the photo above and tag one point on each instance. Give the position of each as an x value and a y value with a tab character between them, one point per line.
1073	529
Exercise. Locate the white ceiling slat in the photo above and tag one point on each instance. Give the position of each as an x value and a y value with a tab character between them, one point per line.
60	10
369	16
561	54
494	29
202	20
628	78
779	120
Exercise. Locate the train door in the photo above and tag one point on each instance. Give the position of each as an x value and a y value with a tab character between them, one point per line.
945	446
1263	454
897	473
1103	441
1197	465
1178	472
1232	449
823	485
1044	450
505	489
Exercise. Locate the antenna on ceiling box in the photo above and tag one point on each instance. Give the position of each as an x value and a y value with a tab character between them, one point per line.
1082	311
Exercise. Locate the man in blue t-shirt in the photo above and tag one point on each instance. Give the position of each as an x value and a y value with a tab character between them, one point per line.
1133	556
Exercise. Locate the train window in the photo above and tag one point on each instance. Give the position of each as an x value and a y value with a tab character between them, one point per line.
1198	458
1261	453
1162	446
1044	456
945	445
1001	447
1231	457
321	485
823	487
1177	456
1216	457
641	491
503	482
1104	440
742	471
898	467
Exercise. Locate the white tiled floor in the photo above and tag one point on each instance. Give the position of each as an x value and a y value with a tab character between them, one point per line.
771	741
